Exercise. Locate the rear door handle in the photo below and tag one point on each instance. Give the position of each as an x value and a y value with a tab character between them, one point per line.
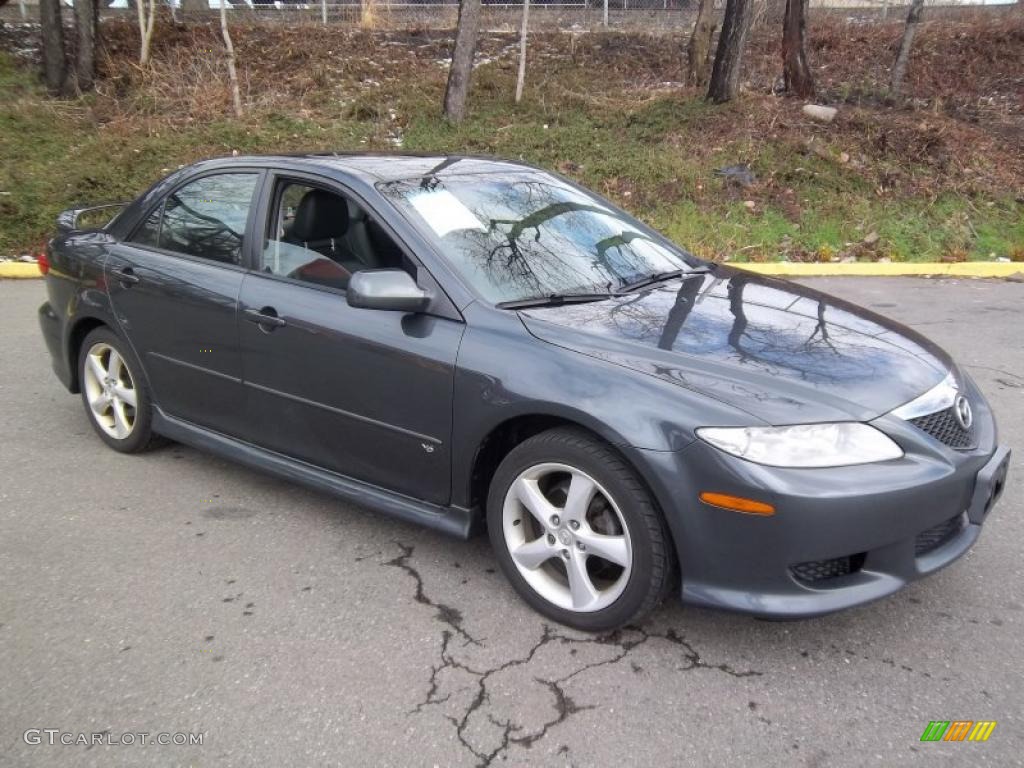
266	318
126	276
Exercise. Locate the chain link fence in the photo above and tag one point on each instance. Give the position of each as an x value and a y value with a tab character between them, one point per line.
497	14
650	16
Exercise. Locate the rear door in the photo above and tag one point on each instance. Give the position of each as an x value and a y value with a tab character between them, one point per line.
174	286
364	393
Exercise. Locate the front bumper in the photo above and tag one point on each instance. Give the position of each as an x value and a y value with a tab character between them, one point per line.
840	537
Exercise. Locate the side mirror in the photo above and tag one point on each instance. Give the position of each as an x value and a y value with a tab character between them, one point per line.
391	289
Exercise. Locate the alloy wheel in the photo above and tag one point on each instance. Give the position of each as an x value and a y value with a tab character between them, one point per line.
567	537
110	391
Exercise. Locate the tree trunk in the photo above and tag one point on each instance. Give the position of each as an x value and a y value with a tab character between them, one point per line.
146	19
236	96
725	77
899	69
85	55
795	71
521	77
698	50
461	69
55	68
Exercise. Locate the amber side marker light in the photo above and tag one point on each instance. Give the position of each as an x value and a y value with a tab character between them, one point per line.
737	503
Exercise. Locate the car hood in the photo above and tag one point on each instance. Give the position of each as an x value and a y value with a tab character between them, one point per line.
779	351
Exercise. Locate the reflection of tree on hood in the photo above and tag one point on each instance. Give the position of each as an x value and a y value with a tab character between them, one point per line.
779	354
681	309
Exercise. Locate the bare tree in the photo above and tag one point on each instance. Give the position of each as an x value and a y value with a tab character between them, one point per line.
55	67
368	14
698	50
236	96
725	76
461	69
147	17
86	26
899	68
521	77
795	71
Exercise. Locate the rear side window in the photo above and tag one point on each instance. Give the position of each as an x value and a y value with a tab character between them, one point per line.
205	218
149	232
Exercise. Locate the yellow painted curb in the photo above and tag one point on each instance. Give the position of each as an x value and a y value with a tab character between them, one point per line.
890	269
19	269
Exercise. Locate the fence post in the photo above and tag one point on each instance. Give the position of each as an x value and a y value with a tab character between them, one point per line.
323	11
606	13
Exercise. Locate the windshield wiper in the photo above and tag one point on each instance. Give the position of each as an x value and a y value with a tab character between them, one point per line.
553	300
661	277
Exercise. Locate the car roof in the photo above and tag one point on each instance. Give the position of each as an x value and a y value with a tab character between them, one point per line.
382	166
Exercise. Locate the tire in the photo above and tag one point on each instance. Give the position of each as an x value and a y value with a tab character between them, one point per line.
587	496
122	426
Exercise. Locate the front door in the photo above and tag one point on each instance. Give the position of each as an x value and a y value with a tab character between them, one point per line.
364	393
174	287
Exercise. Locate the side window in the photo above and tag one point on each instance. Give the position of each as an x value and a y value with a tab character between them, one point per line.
320	236
149	232
207	217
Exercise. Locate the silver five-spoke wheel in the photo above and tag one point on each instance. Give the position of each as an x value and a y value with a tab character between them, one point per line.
567	537
110	391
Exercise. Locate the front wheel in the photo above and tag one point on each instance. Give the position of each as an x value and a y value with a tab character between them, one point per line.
577	533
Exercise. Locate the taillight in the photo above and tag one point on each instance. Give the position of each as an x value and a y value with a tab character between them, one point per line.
44	262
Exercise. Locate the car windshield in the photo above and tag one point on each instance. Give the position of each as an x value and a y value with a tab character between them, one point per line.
528	235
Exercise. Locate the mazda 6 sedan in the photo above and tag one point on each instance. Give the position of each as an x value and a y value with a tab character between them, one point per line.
469	343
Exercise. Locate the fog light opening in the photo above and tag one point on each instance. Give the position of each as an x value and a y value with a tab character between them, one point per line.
737	504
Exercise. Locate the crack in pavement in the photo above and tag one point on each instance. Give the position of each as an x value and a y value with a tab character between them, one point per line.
444	613
511	733
995	370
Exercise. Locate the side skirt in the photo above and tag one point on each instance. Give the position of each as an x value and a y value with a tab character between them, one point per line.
454	521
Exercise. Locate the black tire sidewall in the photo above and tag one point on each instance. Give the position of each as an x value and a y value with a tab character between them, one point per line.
142	433
633	501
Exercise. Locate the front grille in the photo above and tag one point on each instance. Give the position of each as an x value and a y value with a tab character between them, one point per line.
944	427
815	571
938	535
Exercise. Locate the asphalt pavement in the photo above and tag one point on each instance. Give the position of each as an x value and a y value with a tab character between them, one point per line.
175	592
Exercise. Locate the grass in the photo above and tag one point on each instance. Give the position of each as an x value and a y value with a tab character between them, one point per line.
656	155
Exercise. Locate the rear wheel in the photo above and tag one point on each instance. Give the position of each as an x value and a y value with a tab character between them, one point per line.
114	394
577	533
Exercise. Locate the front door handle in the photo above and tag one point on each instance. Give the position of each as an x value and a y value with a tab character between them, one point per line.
265	318
126	277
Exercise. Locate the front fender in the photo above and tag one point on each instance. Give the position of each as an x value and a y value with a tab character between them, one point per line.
503	372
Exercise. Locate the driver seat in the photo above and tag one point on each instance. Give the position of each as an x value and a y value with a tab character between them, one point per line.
321	222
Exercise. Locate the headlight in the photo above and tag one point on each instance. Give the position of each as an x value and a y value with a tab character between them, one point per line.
806	445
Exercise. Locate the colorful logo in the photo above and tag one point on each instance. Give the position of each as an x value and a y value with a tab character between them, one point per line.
958	730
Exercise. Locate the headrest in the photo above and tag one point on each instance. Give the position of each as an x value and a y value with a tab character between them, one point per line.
321	215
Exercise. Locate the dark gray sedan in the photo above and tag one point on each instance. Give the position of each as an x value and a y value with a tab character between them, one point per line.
467	343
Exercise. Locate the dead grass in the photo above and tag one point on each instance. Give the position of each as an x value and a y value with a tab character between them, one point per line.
610	110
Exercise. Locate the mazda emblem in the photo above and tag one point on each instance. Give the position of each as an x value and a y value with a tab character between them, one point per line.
962	409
